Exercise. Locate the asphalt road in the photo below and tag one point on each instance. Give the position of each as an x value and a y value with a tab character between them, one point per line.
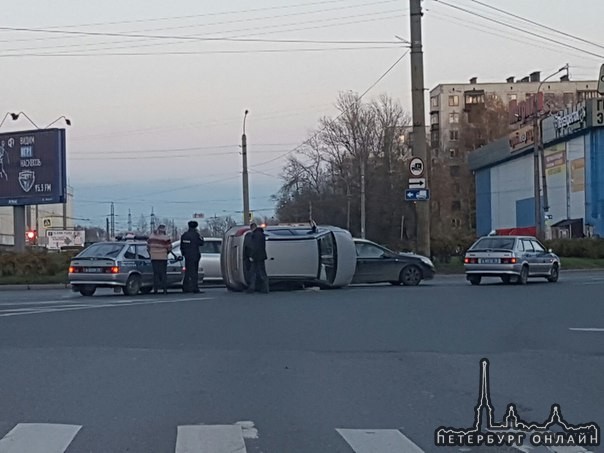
307	371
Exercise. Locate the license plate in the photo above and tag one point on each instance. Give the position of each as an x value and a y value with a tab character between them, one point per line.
489	261
94	269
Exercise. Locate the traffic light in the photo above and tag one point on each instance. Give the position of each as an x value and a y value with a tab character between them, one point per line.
31	236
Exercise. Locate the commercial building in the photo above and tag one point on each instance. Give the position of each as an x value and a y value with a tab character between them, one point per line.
456	108
573	150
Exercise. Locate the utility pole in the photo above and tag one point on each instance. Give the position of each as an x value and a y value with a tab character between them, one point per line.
536	175
129	220
112	219
420	148
152	223
107	230
310	211
246	188
363	219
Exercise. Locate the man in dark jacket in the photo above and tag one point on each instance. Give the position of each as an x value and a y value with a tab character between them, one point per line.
190	243
247	252
258	256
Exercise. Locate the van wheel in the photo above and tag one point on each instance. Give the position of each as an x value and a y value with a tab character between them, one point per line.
410	276
524	273
475	279
554	274
87	290
133	285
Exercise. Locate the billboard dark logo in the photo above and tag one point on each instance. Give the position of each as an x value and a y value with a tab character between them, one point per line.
554	432
27	179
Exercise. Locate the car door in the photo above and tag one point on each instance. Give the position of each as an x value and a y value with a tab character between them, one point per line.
530	256
143	264
210	259
541	257
374	264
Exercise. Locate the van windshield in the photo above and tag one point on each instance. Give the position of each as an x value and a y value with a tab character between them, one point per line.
494	243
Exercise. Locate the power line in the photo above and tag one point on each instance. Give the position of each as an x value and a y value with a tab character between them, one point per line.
317	133
546	27
208	52
519	29
191	38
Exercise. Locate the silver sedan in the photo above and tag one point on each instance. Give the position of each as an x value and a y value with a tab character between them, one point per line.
511	258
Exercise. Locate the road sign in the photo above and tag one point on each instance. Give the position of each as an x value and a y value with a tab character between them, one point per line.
601	80
417	183
417	194
416	166
47	223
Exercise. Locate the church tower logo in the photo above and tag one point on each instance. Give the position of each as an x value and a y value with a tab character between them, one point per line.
554	432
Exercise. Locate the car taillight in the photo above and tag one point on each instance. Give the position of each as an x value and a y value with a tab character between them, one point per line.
72	269
241	231
470	260
115	270
508	260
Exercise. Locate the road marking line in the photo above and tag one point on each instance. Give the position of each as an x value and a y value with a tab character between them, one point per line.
378	440
587	329
38	438
210	439
35	311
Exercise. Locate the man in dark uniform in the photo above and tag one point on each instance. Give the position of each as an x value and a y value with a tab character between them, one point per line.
190	243
247	253
258	255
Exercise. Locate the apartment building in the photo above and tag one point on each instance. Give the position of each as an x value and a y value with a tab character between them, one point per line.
455	106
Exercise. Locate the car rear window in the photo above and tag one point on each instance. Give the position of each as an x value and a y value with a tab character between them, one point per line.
494	243
102	250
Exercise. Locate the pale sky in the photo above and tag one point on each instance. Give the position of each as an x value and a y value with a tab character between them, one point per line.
163	130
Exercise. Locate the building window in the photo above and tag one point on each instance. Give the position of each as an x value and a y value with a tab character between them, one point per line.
454	101
453	135
434	118
434	138
453	117
456	205
454	170
434	101
453	152
455	223
474	98
512	97
568	98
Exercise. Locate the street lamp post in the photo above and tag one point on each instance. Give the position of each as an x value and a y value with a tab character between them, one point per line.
246	188
541	205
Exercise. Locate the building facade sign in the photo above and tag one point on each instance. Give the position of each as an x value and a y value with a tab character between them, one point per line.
564	123
595	109
521	139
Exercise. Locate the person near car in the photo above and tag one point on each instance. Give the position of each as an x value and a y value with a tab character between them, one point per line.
159	246
247	252
190	243
258	257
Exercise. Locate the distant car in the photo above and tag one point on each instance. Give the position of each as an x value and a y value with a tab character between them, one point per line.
511	258
123	264
378	264
209	264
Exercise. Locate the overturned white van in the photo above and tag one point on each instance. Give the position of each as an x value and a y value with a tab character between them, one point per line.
323	256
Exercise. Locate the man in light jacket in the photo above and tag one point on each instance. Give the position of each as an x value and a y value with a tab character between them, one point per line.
159	245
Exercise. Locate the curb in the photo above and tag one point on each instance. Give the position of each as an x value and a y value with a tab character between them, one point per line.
34	287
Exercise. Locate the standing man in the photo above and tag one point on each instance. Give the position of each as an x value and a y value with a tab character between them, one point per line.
247	253
159	245
190	243
258	255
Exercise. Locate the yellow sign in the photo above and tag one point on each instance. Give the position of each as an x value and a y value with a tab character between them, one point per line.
577	175
521	139
555	159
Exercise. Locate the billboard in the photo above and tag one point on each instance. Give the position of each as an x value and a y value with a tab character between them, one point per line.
65	238
521	139
33	167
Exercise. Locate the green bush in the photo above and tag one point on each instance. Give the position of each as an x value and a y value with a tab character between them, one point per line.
34	263
577	248
444	248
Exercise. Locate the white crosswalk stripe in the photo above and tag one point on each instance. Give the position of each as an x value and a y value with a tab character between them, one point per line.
210	439
38	438
378	441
